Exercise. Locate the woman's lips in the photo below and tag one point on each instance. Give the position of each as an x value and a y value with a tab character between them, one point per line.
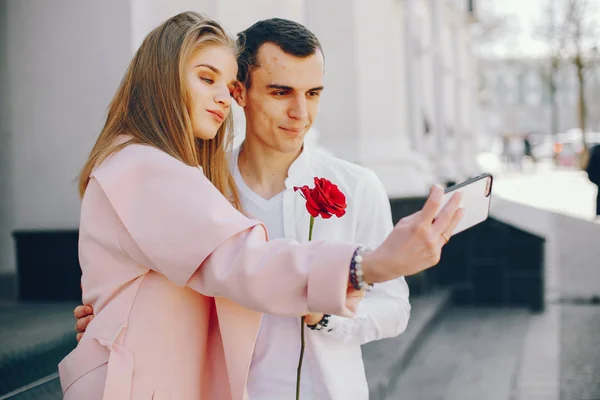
217	114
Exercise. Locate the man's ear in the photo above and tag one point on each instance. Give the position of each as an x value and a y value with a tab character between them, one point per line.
240	93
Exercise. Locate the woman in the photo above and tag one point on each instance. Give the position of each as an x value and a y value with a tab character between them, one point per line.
166	259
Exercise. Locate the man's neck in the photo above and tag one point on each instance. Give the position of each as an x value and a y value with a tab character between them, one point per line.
264	169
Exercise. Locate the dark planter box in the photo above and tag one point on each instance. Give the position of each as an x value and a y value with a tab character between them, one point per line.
490	264
48	265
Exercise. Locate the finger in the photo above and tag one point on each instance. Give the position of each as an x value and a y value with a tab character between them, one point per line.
445	216
83	323
82	311
460	213
432	205
79	336
79	312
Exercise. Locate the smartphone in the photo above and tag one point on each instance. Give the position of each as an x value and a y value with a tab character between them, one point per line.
477	196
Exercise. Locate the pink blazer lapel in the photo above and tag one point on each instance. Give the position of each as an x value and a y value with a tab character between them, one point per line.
239	328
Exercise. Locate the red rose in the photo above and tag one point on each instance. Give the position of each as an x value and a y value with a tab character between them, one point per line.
325	199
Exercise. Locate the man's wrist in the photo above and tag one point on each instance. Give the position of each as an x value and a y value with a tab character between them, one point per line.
321	324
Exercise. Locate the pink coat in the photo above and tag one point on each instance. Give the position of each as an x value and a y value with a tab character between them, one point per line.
178	280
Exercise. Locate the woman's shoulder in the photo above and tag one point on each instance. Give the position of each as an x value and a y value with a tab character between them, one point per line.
143	166
135	158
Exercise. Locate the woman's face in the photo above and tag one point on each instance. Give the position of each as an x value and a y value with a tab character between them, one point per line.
211	77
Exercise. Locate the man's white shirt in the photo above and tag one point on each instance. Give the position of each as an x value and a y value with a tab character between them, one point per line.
333	368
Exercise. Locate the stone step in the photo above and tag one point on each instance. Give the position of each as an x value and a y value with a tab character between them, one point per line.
472	353
386	359
34	338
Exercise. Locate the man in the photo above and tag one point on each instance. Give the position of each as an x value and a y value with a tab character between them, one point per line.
281	80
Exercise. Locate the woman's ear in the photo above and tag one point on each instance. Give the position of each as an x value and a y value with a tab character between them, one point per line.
239	94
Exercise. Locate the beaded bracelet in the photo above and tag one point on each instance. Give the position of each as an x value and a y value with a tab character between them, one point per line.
321	324
356	270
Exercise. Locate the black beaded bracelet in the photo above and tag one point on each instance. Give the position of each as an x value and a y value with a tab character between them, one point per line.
356	271
322	324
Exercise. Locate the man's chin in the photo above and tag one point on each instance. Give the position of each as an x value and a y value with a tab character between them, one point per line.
291	146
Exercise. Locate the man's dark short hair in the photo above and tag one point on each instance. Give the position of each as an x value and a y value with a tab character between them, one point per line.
291	37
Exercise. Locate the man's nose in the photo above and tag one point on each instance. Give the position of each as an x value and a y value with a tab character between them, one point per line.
299	109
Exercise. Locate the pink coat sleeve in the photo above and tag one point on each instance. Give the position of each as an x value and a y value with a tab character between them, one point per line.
186	229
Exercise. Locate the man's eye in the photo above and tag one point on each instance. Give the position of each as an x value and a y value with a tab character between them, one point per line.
208	80
280	93
314	94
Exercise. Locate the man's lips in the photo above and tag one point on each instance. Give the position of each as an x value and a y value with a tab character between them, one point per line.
292	130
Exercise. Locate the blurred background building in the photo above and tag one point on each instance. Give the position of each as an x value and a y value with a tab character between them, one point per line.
515	96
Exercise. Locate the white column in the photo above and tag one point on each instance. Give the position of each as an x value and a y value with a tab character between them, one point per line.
437	76
459	138
464	155
413	64
333	23
444	164
384	137
471	112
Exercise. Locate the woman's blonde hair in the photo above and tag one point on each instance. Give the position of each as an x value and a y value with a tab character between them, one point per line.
152	104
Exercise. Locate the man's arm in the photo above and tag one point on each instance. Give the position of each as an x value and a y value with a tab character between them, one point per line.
385	310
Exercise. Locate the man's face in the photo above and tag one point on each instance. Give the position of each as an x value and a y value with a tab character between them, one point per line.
283	99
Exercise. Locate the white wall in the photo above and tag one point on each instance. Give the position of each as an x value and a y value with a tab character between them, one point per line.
148	14
239	15
6	194
63	66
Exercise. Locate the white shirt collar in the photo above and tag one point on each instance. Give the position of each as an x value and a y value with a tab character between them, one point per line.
296	172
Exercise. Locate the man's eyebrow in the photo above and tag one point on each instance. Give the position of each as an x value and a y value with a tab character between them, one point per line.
280	87
284	87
